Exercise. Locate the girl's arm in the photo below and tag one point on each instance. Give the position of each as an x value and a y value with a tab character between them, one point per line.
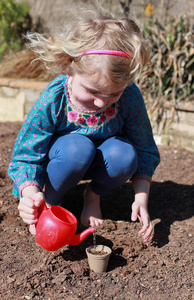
140	207
138	130
32	144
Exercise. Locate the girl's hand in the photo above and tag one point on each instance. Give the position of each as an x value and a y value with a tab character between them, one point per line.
28	206
140	211
140	207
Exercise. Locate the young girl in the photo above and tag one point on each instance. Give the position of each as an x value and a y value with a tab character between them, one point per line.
90	122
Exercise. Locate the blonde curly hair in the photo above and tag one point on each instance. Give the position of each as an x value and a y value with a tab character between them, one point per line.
89	28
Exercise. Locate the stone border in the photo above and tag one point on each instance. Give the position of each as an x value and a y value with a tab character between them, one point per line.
24	83
17	96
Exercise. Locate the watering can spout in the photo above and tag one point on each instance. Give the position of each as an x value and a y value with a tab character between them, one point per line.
78	238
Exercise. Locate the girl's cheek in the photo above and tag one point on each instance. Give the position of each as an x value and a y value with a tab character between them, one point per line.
83	97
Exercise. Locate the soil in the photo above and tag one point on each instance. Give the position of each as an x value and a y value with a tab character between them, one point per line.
95	252
160	269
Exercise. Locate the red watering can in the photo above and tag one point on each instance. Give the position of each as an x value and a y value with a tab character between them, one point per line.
56	227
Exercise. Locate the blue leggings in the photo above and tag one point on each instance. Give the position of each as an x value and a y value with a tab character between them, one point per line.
74	157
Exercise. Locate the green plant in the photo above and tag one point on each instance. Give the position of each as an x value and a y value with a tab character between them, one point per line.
12	20
169	81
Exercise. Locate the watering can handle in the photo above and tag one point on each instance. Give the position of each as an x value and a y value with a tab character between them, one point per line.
42	208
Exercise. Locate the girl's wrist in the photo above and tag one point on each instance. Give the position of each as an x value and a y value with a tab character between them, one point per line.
28	188
142	200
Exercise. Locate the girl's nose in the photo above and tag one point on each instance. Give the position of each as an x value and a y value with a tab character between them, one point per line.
100	102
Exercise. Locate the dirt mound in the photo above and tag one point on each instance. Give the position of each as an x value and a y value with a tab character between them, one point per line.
161	269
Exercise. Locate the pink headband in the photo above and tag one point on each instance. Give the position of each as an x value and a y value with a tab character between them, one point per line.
109	52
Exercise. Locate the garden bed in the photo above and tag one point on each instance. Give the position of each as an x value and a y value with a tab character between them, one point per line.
160	269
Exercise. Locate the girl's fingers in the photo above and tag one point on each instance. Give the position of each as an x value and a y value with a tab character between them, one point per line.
148	233
32	229
29	218
140	220
134	213
147	229
26	206
27	210
38	199
29	222
27	201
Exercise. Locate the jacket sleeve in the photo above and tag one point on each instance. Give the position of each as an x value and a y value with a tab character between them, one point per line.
137	129
31	146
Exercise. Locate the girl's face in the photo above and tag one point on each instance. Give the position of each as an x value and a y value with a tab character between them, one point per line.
93	95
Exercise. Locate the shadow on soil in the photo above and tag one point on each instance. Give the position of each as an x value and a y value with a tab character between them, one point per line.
77	253
168	202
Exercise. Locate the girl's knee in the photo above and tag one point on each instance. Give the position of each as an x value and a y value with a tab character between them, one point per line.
121	156
72	146
127	161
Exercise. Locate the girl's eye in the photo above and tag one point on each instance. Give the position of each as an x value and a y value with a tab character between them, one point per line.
116	95
93	92
89	92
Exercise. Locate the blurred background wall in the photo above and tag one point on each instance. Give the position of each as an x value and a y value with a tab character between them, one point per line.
50	12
